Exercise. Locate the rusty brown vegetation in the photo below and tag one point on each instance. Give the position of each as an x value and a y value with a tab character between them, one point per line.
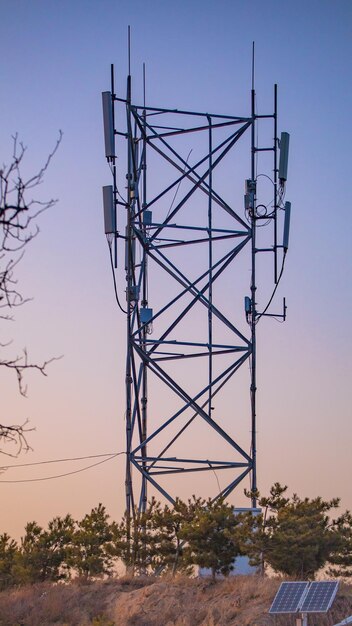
150	601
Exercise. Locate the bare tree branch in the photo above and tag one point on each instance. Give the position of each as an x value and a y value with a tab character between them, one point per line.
18	214
20	364
17	435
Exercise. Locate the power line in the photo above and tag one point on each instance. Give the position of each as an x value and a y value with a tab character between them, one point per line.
83	469
76	458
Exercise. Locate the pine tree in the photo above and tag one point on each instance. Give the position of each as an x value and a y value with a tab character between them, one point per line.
209	536
8	553
137	551
166	545
294	536
341	558
92	548
44	554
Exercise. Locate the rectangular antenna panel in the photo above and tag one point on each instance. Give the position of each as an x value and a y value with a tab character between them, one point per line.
109	134
109	210
287	224
284	145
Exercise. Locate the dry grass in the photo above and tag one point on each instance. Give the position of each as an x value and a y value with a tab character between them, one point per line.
238	601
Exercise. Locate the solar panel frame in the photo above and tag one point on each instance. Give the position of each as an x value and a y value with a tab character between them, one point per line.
288	597
319	597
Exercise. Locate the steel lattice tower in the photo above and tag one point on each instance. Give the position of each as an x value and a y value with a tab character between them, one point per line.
179	339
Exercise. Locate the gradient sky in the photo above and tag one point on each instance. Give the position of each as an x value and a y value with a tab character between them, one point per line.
56	59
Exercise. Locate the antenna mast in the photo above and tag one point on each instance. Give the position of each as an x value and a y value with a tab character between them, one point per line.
182	355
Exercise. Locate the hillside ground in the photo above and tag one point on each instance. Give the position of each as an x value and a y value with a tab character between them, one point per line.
237	601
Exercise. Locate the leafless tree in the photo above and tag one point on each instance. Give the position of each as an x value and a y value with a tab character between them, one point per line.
18	226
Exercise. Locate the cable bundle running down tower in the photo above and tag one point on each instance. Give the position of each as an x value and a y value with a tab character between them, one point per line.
187	240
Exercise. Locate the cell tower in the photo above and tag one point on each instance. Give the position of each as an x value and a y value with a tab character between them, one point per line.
185	230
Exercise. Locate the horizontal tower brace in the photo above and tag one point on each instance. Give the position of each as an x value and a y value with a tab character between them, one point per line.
175	342
175	459
184	131
201	228
189	470
174	243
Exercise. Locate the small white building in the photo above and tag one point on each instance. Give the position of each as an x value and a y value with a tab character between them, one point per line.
241	566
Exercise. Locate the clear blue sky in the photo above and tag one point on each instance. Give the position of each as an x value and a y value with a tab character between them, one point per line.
55	61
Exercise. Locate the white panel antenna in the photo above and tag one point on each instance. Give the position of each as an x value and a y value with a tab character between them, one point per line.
109	210
109	134
287	225
283	163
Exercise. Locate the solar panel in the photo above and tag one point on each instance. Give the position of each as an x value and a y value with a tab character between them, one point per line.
320	597
288	597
